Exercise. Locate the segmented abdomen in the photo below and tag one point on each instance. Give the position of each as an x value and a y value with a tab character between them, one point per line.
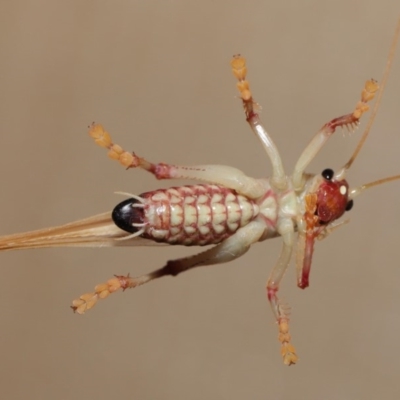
190	215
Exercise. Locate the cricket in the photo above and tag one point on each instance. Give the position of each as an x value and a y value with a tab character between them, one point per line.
227	209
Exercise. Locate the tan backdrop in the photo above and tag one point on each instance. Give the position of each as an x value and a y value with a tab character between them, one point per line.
157	75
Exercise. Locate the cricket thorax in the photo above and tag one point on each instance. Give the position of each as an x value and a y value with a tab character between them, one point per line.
186	215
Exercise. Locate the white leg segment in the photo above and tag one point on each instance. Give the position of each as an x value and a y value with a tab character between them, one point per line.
229	177
231	248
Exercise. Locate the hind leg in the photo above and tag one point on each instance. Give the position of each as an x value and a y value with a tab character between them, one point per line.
231	248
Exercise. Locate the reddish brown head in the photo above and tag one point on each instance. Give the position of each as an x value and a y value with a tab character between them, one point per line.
332	198
326	202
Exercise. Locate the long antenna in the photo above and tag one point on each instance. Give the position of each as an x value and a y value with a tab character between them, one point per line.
378	100
356	191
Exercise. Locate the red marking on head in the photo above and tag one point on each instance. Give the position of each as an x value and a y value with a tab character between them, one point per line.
332	200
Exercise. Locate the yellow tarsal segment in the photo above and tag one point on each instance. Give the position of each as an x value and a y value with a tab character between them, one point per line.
239	69
101	291
288	351
368	93
100	136
116	152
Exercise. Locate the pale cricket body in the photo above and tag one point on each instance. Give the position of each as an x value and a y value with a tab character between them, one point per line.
229	210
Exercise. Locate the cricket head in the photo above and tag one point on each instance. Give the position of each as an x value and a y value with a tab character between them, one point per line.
326	200
332	198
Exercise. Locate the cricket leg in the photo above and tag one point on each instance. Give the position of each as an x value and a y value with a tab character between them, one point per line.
350	121
281	310
229	177
278	179
231	248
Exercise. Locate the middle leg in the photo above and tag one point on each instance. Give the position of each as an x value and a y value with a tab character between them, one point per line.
229	177
281	310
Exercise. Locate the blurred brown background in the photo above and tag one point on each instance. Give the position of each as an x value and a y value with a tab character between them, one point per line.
157	75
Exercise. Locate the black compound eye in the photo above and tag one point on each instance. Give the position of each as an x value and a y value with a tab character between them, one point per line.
124	215
328	174
349	205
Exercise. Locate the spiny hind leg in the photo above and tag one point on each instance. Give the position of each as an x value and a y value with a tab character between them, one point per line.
231	248
229	177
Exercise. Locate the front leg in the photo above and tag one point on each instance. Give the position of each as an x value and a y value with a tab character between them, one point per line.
318	141
229	177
